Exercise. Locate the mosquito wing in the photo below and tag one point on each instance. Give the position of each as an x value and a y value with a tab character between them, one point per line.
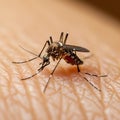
75	48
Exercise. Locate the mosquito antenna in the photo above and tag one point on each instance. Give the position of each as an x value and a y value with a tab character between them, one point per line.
92	84
61	37
66	38
96	75
28	51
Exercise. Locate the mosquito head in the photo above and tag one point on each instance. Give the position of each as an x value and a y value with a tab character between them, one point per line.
46	58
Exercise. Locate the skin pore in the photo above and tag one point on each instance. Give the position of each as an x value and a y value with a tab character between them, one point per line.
68	96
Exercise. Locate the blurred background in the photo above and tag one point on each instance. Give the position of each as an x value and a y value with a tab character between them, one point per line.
111	7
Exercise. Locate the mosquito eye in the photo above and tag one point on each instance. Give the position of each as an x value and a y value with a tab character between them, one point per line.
45	59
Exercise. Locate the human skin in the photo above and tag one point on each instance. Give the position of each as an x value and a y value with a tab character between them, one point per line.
68	96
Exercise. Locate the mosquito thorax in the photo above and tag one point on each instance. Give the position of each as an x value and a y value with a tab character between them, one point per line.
55	46
55	50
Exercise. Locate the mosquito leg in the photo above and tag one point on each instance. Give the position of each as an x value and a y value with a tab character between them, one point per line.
51	74
51	40
96	75
30	76
88	80
25	61
91	84
61	37
78	69
65	38
39	70
47	42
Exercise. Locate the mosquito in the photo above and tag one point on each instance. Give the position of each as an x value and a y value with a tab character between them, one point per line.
57	51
